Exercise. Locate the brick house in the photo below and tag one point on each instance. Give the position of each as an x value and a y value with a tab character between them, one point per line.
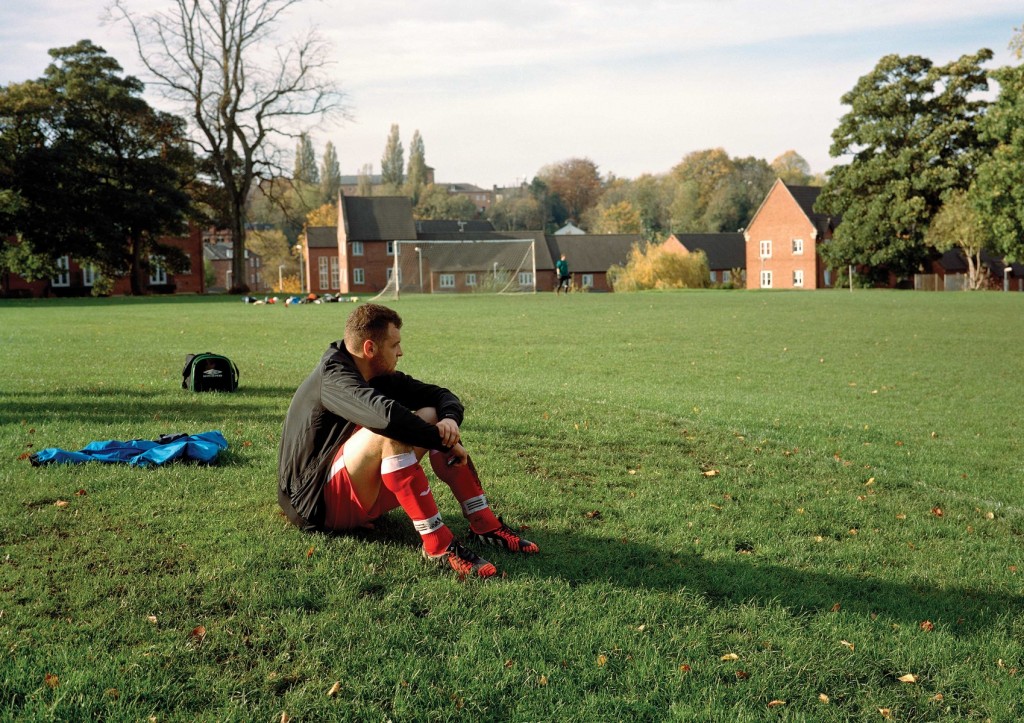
783	238
321	265
76	279
367	230
219	255
726	253
589	257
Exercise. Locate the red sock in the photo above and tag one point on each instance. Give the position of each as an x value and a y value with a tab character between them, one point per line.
466	487
403	475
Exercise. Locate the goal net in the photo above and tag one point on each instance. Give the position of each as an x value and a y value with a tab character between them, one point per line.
487	266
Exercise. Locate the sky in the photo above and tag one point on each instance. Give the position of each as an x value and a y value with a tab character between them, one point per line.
500	90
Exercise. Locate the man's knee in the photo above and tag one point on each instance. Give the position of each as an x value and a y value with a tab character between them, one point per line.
427	414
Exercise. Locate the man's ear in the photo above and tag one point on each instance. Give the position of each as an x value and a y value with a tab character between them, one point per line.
369	348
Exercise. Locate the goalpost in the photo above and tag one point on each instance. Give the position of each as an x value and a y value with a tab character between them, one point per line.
462	266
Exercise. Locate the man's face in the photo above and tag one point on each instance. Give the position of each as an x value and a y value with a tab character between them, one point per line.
385	359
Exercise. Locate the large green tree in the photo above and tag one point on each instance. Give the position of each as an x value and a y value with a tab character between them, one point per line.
911	133
416	175
243	89
330	175
305	161
391	163
98	173
713	192
998	192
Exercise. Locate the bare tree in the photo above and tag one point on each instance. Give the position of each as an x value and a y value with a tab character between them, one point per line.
239	86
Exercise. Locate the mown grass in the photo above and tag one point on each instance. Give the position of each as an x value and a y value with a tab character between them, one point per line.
751	506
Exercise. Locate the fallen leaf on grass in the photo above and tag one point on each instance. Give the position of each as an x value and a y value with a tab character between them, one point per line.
685	668
335	689
846	644
81	493
908	678
151	618
284	717
776	703
937	698
730	656
310	551
824	698
602	659
593	515
927	626
112	693
61	503
198	634
542	680
886	713
710	472
51	680
901	516
742	675
837	607
937	511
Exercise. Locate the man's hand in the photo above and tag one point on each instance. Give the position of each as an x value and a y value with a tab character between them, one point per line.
449	431
458	455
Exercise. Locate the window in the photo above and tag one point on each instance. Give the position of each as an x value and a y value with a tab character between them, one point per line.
766	249
766	279
391	273
798	277
587	280
714	277
358	277
89	275
322	268
391	248
446	281
470	279
726	275
335	274
798	246
526	278
357	248
63	277
157	272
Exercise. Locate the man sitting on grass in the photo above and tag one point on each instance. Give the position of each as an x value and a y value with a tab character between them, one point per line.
353	439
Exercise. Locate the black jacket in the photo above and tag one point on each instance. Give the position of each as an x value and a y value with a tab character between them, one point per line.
326	410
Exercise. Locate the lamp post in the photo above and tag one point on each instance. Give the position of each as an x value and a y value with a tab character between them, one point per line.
280	279
419	258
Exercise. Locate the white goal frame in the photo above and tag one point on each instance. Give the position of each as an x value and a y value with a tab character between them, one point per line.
499	277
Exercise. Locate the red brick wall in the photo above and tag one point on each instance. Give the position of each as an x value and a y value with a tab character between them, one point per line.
781	220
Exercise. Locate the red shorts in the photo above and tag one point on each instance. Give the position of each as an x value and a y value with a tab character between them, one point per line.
342	508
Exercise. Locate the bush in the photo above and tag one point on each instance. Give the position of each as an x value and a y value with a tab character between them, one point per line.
654	268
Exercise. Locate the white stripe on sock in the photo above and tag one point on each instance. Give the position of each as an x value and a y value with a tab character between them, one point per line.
399	461
425	527
474	504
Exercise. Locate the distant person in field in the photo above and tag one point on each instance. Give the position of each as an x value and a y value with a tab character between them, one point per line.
353	439
562	267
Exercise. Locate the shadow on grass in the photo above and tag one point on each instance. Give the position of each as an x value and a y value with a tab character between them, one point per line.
117	405
585	559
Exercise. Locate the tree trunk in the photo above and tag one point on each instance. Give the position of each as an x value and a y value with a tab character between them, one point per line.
136	270
239	270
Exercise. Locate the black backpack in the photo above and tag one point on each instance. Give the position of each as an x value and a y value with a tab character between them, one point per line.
209	373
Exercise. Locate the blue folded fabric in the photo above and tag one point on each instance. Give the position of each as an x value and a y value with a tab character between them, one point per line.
203	447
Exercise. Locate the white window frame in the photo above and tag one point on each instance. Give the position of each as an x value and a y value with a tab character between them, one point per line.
358	276
391	248
726	275
587	281
63	277
446	281
526	278
335	274
157	272
357	248
322	267
766	249
798	246
798	278
766	279
88	275
471	279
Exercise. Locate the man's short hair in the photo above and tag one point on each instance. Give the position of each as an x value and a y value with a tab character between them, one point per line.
369	321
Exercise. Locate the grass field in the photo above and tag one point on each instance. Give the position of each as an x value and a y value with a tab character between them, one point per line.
750	506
